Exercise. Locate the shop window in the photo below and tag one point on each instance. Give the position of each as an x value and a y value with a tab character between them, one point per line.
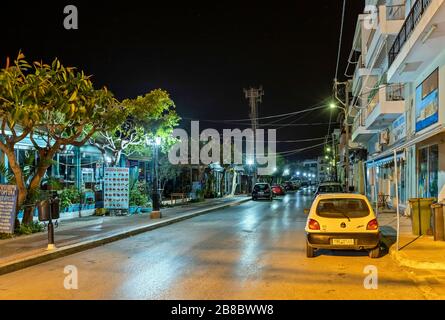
428	171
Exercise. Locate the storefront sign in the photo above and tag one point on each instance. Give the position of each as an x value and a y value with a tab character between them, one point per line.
427	102
116	184
8	199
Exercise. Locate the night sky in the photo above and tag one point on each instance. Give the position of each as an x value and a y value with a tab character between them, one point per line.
203	53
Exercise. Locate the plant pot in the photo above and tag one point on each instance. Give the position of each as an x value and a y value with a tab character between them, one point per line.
133	209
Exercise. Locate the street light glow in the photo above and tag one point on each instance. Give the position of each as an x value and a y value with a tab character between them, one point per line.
249	162
333	106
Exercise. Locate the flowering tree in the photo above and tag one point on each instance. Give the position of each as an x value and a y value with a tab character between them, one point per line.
145	117
51	103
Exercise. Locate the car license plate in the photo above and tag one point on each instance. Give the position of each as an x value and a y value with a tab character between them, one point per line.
343	242
261	193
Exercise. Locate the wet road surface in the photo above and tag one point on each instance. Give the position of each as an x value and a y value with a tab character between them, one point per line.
252	251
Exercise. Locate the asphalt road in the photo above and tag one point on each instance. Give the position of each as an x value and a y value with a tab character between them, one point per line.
252	251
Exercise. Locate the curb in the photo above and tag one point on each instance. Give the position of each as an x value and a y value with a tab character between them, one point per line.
401	259
107	238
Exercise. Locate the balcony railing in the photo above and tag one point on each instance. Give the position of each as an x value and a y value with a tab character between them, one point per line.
359	121
408	27
396	12
393	92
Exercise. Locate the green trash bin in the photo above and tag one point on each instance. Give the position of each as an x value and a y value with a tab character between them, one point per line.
421	215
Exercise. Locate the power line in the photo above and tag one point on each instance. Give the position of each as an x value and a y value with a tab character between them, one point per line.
319	106
340	39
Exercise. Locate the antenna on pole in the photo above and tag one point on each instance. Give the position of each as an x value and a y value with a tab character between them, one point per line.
255	96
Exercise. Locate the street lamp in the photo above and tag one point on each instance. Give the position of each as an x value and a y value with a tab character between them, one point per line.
156	213
298	173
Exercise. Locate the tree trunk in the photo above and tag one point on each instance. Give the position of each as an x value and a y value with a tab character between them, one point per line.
22	192
45	157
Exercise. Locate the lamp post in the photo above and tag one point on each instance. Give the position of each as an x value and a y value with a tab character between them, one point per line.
345	111
156	212
250	164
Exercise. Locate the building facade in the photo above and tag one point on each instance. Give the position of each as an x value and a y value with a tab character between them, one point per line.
397	112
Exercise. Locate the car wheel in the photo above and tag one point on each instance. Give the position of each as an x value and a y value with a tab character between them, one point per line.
310	251
374	253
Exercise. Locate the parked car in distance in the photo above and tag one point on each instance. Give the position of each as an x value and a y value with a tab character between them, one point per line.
278	190
289	186
295	184
329	187
342	221
262	191
304	184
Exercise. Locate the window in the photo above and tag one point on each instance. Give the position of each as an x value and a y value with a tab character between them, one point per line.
342	207
330	189
430	84
261	187
428	172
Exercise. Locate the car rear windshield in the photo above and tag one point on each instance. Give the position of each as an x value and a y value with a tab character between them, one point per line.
261	187
342	208
330	189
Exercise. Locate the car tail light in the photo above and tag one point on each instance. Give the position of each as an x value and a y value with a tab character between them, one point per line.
372	225
314	225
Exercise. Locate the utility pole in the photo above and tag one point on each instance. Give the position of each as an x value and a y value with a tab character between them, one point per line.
254	95
345	109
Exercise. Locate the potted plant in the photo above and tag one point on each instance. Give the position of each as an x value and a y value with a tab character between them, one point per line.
69	199
138	198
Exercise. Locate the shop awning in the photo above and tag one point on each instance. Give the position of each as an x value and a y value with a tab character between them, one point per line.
386	160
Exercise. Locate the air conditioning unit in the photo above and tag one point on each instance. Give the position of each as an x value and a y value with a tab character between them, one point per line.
378	147
384	137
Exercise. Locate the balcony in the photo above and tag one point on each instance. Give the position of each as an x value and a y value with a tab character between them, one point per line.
419	41
385	106
362	72
390	21
359	132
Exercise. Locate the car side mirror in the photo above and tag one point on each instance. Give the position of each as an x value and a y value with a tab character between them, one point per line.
306	211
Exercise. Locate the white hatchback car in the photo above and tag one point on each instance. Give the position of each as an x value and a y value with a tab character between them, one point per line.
342	221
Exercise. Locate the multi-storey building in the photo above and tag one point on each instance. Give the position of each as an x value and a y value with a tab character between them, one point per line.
395	111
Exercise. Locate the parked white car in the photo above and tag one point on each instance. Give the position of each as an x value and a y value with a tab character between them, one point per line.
342	221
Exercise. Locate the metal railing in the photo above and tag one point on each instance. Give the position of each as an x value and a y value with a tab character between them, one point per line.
359	120
395	92
408	27
396	12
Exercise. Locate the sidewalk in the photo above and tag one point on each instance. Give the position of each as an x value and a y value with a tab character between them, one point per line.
84	233
415	252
